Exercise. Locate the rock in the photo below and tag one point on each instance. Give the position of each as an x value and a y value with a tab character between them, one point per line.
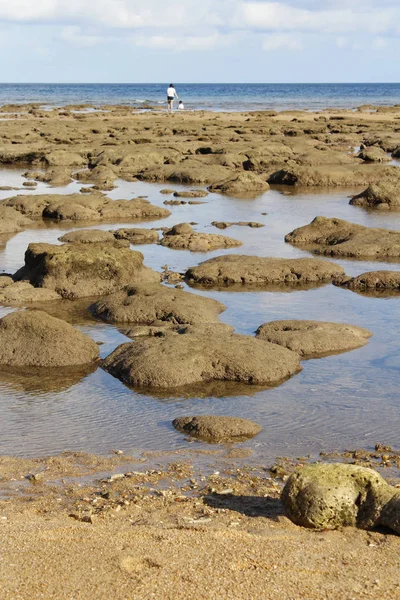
225	224
245	182
183	237
102	176
30	184
331	496
374	154
335	237
217	429
256	270
330	175
55	177
23	292
88	207
150	303
11	221
382	195
373	280
180	360
167	191
81	270
32	338
189	172
61	158
87	236
5	281
311	339
137	235
191	194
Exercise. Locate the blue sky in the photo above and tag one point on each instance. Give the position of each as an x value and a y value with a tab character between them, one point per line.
199	41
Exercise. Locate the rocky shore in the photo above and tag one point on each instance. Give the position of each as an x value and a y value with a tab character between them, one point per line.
209	523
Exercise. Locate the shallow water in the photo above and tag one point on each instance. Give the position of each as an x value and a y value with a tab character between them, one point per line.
346	400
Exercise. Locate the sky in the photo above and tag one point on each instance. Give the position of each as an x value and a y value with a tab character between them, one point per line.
193	41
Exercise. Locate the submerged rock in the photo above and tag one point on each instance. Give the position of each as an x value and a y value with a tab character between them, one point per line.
33	338
183	237
150	303
314	338
330	496
240	269
243	183
181	360
373	280
81	270
217	429
335	237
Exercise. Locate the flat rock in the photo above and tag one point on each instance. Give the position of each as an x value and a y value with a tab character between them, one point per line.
150	303
217	429
191	194
311	339
331	496
35	339
87	236
11	221
245	182
335	237
82	270
370	281
183	237
54	176
180	360
137	235
241	269
374	154
226	224
22	292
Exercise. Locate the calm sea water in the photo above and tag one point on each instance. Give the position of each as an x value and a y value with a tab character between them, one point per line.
209	96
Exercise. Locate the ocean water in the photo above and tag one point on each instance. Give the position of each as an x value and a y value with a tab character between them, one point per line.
208	96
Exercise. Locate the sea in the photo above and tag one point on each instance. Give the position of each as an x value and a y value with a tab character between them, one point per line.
207	96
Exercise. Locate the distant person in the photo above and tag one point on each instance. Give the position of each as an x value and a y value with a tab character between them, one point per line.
171	95
180	105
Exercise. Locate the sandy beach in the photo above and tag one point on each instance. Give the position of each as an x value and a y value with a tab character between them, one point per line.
191	523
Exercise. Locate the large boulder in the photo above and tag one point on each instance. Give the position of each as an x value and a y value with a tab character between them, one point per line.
183	237
245	182
177	361
311	339
150	303
371	281
331	496
240	269
217	429
11	221
32	338
78	270
335	237
383	195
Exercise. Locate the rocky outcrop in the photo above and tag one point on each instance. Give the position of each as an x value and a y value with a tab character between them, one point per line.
371	281
311	339
87	236
22	292
331	496
245	182
374	154
383	195
191	194
183	237
335	237
11	221
137	235
33	338
78	270
177	361
56	177
217	429
256	270
151	303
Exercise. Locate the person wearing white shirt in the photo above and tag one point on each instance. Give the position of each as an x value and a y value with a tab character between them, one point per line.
180	105
171	95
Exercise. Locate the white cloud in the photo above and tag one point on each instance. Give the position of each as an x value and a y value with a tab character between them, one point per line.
182	43
282	42
73	35
379	43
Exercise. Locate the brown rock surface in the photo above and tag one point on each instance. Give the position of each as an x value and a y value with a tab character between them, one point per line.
225	224
374	154
182	360
87	236
23	292
78	270
11	221
373	280
191	194
311	339
137	235
335	237
217	429
150	303
243	183
35	339
231	269
384	194
183	237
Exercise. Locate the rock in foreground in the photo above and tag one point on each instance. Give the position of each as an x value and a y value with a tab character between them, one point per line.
32	338
311	339
183	237
176	361
217	429
371	281
81	270
330	496
382	195
150	303
335	237
241	269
